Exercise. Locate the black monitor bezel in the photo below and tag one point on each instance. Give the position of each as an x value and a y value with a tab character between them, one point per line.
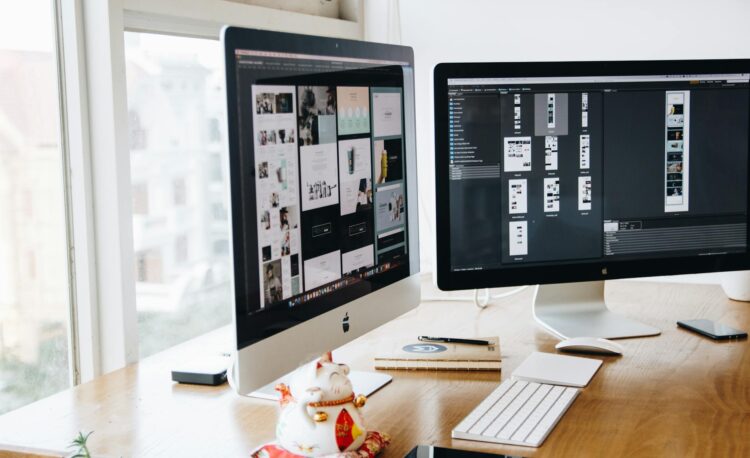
236	38
562	272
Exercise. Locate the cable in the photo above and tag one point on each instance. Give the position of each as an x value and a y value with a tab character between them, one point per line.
475	299
482	304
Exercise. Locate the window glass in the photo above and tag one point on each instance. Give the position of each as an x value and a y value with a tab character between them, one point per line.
34	296
180	229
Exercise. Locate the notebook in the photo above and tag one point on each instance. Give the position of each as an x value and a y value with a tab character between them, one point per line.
557	369
415	355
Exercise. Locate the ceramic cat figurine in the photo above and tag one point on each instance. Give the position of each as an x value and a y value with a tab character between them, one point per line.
320	413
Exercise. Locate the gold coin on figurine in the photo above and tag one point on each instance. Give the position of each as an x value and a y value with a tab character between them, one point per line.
320	416
360	400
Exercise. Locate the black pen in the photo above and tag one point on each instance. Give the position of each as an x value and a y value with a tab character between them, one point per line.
452	340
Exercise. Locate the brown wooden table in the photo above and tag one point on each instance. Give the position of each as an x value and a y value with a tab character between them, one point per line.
677	394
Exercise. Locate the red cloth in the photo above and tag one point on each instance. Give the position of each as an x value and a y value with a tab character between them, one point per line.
374	443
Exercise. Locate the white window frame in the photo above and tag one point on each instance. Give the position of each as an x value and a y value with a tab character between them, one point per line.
104	320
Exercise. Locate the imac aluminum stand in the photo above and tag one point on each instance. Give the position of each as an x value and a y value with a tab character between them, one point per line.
570	310
362	382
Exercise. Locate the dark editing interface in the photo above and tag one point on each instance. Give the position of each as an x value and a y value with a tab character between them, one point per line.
323	139
544	170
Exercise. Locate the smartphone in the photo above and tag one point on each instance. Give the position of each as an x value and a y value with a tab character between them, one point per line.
712	329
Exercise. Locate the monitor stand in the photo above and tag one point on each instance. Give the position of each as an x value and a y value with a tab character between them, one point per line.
578	310
363	383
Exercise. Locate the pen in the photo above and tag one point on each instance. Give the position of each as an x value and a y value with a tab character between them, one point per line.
452	340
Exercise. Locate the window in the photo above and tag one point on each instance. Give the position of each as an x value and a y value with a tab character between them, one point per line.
137	136
34	296
148	266
214	132
181	249
221	247
140	199
219	211
174	88
217	174
179	189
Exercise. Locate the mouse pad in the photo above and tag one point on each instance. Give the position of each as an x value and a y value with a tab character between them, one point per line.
557	369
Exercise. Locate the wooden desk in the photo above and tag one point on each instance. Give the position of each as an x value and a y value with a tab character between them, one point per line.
676	394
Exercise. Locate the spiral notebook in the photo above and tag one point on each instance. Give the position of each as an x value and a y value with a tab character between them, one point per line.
428	356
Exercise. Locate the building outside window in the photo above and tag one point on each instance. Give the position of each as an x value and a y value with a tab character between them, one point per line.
34	295
176	105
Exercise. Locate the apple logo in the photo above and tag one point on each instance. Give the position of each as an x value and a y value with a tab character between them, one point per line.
345	322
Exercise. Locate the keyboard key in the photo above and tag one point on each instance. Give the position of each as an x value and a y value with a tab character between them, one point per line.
514	407
476	414
537	408
496	409
552	416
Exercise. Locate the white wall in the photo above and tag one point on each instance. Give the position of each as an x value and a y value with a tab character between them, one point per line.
498	30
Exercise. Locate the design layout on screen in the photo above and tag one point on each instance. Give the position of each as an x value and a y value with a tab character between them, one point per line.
386	112
277	191
519	245
584	193
354	110
551	194
517	195
550	152
585	151
517	154
677	152
635	167
323	221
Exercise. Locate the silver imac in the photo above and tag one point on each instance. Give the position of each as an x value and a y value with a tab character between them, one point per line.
323	187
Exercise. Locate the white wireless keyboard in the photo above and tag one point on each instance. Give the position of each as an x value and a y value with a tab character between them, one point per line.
517	413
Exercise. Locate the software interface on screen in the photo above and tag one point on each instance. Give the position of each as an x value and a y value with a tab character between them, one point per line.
575	169
322	146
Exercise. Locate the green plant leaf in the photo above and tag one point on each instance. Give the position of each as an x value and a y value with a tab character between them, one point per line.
80	442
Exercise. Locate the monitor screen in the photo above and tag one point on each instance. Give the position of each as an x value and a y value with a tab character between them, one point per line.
318	185
545	170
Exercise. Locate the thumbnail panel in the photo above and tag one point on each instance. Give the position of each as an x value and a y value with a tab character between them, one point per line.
551	194
355	175
585	110
322	269
390	207
584	193
550	152
517	112
518	199
386	112
517	154
677	152
319	176
353	110
584	153
550	114
358	259
277	192
551	121
317	115
519	241
273	100
388	160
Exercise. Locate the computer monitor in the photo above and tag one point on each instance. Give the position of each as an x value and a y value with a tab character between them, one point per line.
562	172
323	194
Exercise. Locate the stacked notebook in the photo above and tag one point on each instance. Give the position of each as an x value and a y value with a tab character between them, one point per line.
427	356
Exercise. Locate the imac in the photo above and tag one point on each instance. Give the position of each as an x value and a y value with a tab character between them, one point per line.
323	193
565	174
